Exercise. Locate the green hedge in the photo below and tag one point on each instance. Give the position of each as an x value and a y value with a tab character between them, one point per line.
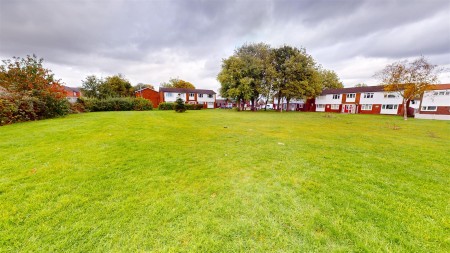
171	106
15	107
166	106
116	104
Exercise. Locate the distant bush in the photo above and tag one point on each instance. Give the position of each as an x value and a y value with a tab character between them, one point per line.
166	106
180	106
194	106
116	104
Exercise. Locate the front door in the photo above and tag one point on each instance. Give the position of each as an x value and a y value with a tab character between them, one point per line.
349	108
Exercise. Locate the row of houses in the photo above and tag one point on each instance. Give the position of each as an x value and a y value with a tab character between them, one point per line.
433	104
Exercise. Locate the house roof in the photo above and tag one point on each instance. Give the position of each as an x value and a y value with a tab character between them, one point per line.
146	88
353	90
71	89
184	90
440	87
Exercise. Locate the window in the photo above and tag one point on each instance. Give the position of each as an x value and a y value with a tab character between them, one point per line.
320	106
368	95
413	102
336	96
429	108
210	95
200	95
334	107
366	107
168	94
447	93
351	95
441	93
389	107
389	96
191	95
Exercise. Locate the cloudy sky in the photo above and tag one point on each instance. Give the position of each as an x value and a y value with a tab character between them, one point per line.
151	41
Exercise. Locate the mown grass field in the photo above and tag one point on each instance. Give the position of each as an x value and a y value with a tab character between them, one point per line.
225	181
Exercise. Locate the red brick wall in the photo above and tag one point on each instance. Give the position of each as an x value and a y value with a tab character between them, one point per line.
443	110
376	109
151	95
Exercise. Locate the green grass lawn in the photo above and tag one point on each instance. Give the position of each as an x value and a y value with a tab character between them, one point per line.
225	181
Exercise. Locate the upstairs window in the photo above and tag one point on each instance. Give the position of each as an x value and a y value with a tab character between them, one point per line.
210	95
336	96
191	95
368	95
200	95
351	95
389	96
168	94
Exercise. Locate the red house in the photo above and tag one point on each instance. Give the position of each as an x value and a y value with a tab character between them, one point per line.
149	94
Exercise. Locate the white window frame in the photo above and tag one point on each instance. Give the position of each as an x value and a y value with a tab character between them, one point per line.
390	96
200	95
351	95
210	96
336	96
169	94
334	107
191	95
368	95
366	107
428	108
385	107
320	106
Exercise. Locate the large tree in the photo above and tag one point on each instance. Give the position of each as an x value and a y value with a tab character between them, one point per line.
177	83
111	86
408	79
330	79
91	86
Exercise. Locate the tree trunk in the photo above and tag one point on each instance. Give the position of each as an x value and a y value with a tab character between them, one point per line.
287	103
278	104
405	109
253	104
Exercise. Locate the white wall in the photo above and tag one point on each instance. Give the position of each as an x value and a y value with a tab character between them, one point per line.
430	98
205	98
328	99
378	98
174	96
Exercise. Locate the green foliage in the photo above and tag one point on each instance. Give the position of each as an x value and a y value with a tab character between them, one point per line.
256	70
29	91
111	86
116	104
179	105
166	106
194	106
177	83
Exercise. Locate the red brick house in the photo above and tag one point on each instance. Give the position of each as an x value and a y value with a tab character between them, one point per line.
435	103
72	93
149	94
190	96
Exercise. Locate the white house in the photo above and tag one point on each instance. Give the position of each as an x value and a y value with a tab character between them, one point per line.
435	103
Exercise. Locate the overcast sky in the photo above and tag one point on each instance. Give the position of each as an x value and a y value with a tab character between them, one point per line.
151	41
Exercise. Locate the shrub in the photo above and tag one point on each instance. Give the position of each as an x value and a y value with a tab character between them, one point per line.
179	105
28	91
194	106
116	104
166	106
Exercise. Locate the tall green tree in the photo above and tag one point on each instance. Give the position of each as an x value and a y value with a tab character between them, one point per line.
330	79
91	86
116	86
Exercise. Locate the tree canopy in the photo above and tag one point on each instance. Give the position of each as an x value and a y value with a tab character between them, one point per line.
111	86
177	83
258	71
409	79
